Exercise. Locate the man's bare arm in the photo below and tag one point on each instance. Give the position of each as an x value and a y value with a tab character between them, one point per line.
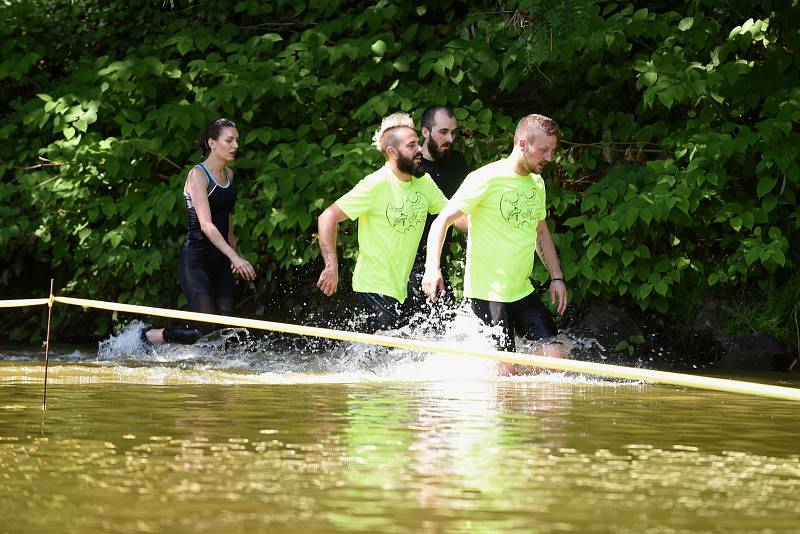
546	250
327	226
432	281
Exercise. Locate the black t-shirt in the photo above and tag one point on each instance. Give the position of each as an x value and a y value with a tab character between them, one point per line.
448	175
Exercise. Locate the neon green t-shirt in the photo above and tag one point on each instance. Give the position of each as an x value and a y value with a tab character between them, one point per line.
391	218
504	210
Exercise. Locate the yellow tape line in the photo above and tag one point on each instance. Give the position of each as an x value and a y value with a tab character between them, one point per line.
600	369
18	303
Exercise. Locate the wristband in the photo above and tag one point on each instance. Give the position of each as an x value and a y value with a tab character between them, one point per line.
558	280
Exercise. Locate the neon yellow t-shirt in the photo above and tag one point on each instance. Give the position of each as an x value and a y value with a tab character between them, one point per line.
391	217
504	210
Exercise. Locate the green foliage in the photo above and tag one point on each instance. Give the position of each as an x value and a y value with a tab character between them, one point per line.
629	345
679	150
694	159
773	309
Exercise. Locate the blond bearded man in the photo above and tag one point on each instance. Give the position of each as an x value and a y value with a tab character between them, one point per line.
391	206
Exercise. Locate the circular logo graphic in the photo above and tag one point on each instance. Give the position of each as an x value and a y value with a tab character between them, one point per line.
409	215
522	208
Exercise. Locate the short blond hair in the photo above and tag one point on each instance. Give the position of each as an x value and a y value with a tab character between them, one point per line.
532	125
384	136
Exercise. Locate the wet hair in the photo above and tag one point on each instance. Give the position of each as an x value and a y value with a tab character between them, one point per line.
386	135
429	115
532	125
212	131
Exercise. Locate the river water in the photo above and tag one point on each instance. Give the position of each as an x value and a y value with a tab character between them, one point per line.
220	439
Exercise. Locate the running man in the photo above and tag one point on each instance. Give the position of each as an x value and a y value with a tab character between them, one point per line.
391	205
505	202
448	168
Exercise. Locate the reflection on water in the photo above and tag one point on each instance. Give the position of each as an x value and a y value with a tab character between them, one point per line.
238	434
538	454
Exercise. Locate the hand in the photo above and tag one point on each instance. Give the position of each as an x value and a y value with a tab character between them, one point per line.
432	283
328	280
243	268
558	290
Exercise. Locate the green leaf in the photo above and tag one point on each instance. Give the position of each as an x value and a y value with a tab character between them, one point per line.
489	68
378	48
748	219
328	141
649	78
765	185
769	203
686	24
184	44
202	41
666	98
627	257
661	288
644	291
592	251
448	60
401	65
753	254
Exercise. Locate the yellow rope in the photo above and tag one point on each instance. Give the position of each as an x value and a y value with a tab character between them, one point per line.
17	303
600	369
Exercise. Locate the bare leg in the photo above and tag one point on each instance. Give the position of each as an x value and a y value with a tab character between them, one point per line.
554	350
155	336
550	350
506	369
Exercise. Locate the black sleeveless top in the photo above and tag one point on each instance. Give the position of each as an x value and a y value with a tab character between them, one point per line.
221	201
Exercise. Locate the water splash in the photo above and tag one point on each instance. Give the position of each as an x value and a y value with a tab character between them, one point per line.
272	356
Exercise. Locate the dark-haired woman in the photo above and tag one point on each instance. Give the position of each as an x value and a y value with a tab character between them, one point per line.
209	258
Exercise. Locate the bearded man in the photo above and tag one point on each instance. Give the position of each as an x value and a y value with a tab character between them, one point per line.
391	206
448	168
507	217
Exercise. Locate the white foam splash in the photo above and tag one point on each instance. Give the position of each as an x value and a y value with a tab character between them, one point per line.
300	359
126	344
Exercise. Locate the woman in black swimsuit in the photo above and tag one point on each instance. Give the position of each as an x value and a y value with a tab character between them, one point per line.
209	257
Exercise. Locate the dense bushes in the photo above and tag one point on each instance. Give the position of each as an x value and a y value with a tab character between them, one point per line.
679	150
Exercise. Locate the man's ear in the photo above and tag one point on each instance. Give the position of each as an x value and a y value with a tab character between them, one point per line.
426	133
391	152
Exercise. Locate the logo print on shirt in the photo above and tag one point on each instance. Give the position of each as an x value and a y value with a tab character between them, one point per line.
409	215
521	209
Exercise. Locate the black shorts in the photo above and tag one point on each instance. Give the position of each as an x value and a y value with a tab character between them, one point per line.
381	312
527	317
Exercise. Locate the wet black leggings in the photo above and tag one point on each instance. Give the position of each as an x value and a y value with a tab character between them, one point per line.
526	317
208	290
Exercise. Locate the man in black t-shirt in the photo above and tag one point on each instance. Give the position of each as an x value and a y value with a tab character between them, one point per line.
448	168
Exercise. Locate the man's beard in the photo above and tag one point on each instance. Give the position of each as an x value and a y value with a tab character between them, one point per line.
532	166
437	152
410	166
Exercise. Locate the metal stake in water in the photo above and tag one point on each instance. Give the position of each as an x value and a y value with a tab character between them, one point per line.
47	342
